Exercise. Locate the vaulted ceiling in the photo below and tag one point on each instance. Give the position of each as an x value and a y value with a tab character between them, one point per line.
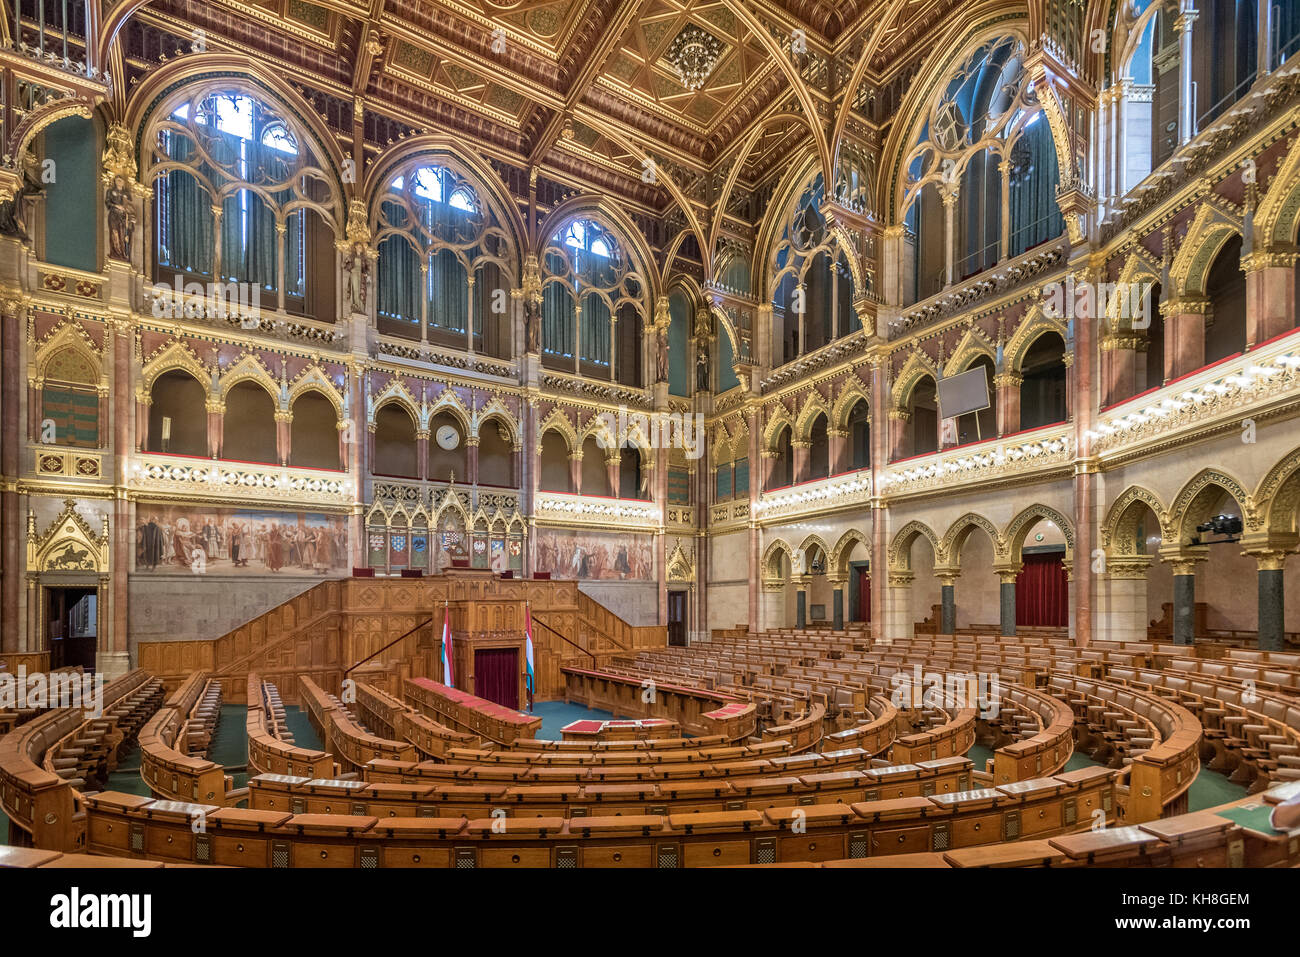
583	90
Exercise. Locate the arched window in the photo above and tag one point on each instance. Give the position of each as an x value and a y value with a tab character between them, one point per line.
593	305
495	454
812	288
447	455
1151	372
783	466
1042	389
631	476
224	149
595	469
178	419
554	474
923	419
395	448
1225	319
248	426
819	450
70	400
444	262
860	435
983	141
314	433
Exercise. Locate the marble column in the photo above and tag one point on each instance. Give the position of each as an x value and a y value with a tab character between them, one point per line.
1184	602
1272	627
1007	599
948	597
837	604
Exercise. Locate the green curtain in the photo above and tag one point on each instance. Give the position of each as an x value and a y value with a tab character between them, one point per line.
558	313
184	213
595	330
399	280
1035	217
448	292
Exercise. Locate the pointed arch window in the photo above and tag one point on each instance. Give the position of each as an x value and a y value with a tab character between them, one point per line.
444	270
240	197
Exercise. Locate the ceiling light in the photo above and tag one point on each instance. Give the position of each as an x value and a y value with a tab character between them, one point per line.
694	53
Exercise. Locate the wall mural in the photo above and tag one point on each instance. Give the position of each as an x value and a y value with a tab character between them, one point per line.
592	555
231	541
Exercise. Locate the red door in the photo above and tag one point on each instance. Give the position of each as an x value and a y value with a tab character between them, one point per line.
496	675
864	596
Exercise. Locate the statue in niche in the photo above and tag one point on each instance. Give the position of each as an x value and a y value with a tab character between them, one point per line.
356	276
12	220
121	218
661	358
532	325
702	367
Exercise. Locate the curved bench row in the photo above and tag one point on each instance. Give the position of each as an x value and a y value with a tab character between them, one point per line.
126	825
166	766
463	711
39	799
268	750
1160	774
1047	746
1252	735
339	732
409	787
382	711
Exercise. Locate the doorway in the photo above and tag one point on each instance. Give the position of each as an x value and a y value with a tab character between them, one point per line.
72	626
859	591
496	675
677	618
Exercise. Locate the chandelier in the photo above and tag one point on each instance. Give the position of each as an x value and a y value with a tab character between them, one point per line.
694	53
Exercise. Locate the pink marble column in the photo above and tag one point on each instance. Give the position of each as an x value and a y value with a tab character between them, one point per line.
1184	336
1270	296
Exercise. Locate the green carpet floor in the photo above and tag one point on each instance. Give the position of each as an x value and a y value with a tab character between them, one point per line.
556	714
304	735
229	746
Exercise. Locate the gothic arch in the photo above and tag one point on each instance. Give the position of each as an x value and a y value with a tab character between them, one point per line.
812	541
900	548
771	565
1210	230
1197	491
814	407
1276	215
781	419
249	368
1277	498
175	355
313	379
917	367
610	215
448	401
1035	324
557	421
1119	530
848	398
1014	536
837	560
961	530
972	345
495	411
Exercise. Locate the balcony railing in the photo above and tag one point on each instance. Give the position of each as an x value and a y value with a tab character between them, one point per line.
1225	392
595	510
231	481
848	489
1041	450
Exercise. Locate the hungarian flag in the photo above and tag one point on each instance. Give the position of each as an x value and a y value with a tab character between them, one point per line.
528	654
448	675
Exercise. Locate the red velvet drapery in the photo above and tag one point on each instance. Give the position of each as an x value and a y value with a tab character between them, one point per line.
1042	593
496	675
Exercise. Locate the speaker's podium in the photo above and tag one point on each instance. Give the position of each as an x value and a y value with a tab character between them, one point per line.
487	640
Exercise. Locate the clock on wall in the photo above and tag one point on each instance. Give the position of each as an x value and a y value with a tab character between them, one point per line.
447	437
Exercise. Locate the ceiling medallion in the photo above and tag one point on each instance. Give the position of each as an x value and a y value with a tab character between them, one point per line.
693	54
